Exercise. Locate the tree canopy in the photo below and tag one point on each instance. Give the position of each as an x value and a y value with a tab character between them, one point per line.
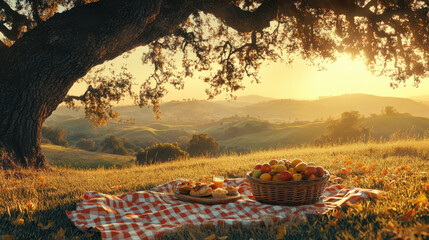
229	40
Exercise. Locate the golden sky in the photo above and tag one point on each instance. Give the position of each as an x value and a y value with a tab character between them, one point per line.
298	80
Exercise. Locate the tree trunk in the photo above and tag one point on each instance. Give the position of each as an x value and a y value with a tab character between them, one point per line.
21	132
39	69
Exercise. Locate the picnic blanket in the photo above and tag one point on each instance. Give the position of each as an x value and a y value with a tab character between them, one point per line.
151	214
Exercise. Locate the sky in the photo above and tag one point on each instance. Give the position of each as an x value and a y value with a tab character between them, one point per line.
298	80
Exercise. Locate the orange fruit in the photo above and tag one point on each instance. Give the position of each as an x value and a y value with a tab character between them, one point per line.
266	176
297	177
276	178
292	171
296	161
312	176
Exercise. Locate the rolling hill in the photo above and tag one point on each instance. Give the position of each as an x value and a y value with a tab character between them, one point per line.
250	126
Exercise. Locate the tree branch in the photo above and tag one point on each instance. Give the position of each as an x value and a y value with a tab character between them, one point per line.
18	21
239	19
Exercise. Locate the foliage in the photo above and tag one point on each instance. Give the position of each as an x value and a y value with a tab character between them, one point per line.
112	144
371	166
55	136
161	152
229	40
389	111
86	144
203	144
346	129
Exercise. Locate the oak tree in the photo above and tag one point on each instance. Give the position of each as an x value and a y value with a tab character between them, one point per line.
49	45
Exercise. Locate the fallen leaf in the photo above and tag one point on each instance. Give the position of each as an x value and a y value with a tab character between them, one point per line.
426	186
19	221
406	167
42	178
116	188
31	205
47	226
349	162
60	234
421	200
6	237
408	215
337	214
281	232
384	172
222	238
360	164
211	237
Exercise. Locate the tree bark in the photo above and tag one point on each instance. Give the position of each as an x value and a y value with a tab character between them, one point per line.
39	69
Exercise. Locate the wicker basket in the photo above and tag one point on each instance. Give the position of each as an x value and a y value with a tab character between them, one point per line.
290	193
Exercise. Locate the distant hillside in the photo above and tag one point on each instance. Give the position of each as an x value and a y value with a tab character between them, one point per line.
290	110
200	112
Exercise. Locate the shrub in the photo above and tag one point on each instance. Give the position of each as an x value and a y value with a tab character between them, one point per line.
346	129
203	144
86	144
55	136
161	152
112	144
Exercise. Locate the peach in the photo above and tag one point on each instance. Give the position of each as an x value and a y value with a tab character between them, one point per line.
258	166
310	170
266	177
266	168
320	171
285	176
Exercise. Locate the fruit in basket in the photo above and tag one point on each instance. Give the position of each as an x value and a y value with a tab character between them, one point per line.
285	176
257	173
297	177
291	170
286	162
276	177
278	168
310	170
296	161
266	168
274	162
320	172
258	166
311	164
311	177
266	177
301	167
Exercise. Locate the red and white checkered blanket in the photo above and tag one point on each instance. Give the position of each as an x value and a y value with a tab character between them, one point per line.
150	214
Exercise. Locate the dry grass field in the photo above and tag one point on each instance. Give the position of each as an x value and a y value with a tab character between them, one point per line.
33	203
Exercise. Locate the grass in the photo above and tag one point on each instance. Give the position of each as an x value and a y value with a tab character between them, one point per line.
77	158
396	214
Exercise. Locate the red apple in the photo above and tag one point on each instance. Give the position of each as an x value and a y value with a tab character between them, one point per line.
258	166
285	176
266	168
320	172
310	170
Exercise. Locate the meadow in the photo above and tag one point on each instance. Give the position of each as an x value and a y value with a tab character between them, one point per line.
33	203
